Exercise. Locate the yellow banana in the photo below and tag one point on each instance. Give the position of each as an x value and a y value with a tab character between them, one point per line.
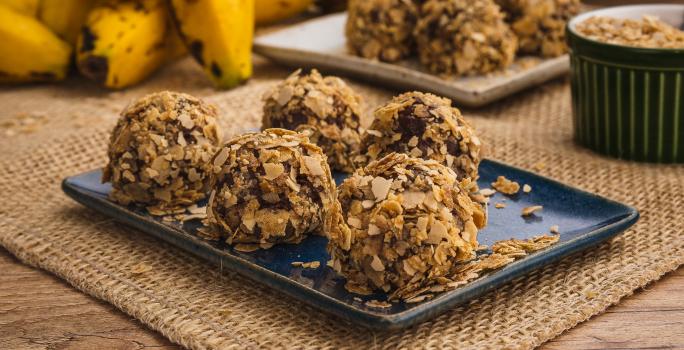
269	11
176	46
218	33
29	50
123	42
25	7
65	17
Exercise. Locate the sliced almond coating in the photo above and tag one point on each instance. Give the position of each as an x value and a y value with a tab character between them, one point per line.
354	222
376	264
437	232
554	229
273	170
373	230
221	157
367	204
499	205
413	198
527	211
380	187
527	188
314	166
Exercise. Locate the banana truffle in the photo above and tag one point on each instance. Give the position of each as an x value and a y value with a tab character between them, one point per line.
269	187
159	152
330	107
540	24
381	29
464	37
424	126
401	224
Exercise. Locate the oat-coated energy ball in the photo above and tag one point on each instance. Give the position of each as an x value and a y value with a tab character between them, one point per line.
401	224
424	126
159	152
462	37
270	187
540	24
330	107
381	29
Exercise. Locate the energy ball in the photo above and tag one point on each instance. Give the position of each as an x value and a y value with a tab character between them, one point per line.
464	37
540	24
269	187
330	107
423	126
381	29
159	152
401	225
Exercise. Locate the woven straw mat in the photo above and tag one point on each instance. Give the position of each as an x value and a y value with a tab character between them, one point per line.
195	304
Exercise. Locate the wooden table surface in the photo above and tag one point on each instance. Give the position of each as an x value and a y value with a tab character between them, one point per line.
40	311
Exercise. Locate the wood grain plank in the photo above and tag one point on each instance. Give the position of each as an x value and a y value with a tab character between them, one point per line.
39	311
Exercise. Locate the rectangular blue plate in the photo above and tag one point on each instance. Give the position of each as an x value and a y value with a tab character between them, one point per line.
584	220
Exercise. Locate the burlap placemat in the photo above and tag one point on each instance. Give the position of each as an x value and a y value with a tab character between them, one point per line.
199	306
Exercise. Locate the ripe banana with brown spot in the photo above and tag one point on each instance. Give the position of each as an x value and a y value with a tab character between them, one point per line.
123	42
25	7
218	34
65	17
269	11
29	51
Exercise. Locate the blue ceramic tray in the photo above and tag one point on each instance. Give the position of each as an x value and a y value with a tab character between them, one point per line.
584	220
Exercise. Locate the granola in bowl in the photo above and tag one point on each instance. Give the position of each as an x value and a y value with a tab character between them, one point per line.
159	152
326	108
648	32
269	187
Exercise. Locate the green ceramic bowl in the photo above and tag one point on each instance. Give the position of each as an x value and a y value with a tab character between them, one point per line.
628	102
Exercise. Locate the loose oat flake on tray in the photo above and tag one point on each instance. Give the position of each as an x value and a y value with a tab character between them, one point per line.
159	152
269	187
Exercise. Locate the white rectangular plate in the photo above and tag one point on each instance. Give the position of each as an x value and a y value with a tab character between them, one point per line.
320	43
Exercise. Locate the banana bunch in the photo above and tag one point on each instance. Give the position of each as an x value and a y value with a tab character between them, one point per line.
269	11
29	50
123	42
218	34
118	43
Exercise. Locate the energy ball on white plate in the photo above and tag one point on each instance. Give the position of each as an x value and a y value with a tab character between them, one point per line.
540	24
464	37
381	29
425	126
329	107
159	152
401	225
269	187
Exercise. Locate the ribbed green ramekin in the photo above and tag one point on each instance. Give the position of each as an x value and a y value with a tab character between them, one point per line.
628	102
